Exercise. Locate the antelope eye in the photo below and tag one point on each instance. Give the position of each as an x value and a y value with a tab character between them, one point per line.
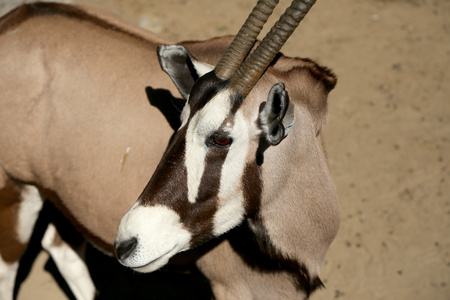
220	140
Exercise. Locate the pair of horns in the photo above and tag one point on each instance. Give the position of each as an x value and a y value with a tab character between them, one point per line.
243	76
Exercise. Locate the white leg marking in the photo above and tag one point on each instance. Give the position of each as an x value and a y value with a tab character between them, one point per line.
203	123
8	274
71	266
30	206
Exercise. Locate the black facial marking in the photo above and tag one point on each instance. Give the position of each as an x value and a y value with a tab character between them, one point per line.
237	101
210	182
208	191
204	89
168	185
191	68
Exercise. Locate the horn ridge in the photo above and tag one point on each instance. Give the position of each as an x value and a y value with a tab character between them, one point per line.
245	78
245	39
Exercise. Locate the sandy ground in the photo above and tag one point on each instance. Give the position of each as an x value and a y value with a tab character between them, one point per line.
388	134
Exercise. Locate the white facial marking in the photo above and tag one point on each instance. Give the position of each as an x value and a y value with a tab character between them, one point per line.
30	206
8	274
185	114
205	121
202	68
231	207
70	264
137	203
159	234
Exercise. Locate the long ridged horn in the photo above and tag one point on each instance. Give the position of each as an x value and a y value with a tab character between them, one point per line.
245	78
245	39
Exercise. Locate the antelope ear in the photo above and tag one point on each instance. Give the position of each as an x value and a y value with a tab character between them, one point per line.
276	116
182	67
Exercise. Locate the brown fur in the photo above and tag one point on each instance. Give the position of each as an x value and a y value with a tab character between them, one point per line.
11	249
77	123
298	215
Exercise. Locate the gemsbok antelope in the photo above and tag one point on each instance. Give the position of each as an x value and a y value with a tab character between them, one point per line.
248	154
246	168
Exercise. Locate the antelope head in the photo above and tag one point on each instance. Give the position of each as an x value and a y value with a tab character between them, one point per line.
210	177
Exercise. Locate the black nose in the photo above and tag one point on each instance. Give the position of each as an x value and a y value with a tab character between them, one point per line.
124	249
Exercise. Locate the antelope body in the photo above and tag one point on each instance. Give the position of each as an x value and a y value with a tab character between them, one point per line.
246	170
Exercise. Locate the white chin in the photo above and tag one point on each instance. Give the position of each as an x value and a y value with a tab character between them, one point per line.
154	265
157	263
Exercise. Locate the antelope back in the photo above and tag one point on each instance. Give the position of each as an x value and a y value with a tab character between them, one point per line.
75	124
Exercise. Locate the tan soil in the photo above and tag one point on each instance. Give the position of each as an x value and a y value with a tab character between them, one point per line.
388	133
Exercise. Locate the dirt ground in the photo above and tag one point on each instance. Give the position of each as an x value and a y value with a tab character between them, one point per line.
388	134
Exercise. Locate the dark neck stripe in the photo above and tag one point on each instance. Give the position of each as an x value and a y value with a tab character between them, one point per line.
253	186
258	252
